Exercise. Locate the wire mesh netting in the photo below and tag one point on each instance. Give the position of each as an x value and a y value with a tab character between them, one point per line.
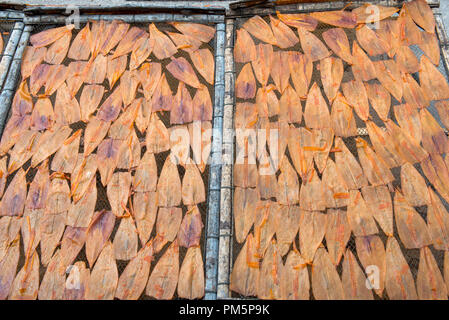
102	202
411	255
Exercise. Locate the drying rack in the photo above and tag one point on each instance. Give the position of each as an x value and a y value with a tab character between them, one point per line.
218	247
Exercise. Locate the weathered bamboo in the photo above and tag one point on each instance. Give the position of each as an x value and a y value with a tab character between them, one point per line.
225	254
443	39
151	5
12	77
213	209
134	18
9	51
321	6
11	15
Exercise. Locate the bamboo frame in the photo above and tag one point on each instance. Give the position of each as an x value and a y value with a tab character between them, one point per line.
225	247
219	224
12	77
214	184
9	51
129	18
215	170
226	205
133	5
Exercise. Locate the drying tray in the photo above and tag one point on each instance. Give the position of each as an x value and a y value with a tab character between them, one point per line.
11	27
212	173
229	248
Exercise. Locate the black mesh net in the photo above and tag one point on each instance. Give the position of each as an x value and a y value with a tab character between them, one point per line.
411	255
102	202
